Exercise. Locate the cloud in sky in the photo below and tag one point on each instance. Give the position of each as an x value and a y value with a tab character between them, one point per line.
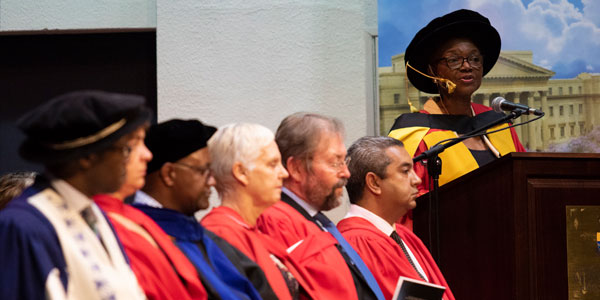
563	35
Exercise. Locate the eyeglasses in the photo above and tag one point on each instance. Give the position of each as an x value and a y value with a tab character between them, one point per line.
455	62
337	165
200	170
125	150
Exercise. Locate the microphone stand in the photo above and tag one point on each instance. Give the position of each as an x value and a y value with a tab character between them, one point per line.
434	169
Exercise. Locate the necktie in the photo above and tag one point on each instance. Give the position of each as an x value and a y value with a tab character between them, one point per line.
356	260
398	240
289	278
91	220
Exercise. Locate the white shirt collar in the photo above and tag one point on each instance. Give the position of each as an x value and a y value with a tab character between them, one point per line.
145	199
385	227
377	221
307	207
73	197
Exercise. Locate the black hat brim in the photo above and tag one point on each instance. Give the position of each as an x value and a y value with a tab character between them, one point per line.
175	139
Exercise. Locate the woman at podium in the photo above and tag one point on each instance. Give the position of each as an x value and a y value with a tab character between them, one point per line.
448	58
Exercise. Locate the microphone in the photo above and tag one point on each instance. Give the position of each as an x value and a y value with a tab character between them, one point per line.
500	104
450	86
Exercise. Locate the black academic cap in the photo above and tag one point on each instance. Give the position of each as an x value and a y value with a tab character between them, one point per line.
175	139
79	123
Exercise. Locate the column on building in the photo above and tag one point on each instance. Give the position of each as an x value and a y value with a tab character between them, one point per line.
475	98
485	99
522	130
531	126
514	97
545	129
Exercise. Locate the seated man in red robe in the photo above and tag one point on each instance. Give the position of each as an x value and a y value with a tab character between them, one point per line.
313	152
382	189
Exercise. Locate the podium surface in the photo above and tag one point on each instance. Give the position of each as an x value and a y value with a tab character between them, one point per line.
503	227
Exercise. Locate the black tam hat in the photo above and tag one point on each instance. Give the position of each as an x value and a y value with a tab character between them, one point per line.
79	123
175	139
461	23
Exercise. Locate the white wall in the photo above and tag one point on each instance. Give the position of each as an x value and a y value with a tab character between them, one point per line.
226	61
257	61
34	15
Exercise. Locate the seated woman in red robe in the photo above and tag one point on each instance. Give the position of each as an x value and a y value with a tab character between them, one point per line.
246	163
162	270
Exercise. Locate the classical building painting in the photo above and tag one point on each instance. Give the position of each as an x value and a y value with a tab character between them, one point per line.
572	106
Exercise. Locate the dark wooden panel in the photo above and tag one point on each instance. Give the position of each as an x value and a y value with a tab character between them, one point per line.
501	226
550	197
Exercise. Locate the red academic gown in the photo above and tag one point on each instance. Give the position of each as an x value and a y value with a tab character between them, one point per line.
317	253
160	267
229	225
385	258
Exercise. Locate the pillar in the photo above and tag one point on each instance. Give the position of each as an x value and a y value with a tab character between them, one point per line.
545	129
531	126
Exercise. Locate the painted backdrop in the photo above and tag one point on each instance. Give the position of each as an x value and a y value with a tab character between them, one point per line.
559	39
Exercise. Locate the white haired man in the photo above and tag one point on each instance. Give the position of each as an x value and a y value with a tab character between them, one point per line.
247	167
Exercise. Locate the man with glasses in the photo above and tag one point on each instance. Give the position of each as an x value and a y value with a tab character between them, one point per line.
313	152
177	186
178	175
56	243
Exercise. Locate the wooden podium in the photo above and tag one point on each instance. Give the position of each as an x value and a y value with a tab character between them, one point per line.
502	228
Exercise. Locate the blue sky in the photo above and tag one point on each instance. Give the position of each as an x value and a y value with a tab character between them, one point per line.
564	35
